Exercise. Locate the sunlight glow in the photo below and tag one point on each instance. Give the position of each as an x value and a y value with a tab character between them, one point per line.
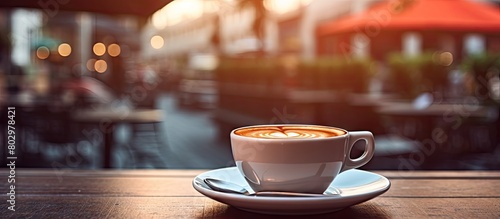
178	11
284	6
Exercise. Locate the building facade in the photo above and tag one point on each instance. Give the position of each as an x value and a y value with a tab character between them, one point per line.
224	28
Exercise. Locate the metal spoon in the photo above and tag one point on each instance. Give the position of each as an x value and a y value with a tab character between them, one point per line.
229	187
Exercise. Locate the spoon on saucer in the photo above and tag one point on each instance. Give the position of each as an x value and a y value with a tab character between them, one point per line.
229	187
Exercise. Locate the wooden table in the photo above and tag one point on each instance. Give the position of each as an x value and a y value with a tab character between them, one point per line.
446	116
169	194
108	118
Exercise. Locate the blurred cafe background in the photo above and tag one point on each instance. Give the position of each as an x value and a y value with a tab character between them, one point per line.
160	83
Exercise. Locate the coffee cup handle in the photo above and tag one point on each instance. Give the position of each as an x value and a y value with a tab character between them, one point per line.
367	154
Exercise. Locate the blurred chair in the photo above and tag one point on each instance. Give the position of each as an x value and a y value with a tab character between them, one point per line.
147	135
475	145
391	152
58	134
55	127
148	138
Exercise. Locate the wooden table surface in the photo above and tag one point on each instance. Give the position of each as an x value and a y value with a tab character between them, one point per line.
47	193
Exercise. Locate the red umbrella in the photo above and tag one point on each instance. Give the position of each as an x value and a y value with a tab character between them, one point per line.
419	15
51	7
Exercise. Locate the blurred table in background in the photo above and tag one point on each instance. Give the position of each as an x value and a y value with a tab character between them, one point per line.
443	115
352	111
48	193
456	129
106	119
442	110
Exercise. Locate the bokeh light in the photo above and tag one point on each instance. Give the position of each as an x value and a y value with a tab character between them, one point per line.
446	58
99	49
114	50
64	49
100	66
42	52
90	64
157	42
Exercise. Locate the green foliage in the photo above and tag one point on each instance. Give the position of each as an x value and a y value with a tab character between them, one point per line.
403	74
411	75
433	71
323	73
480	64
247	70
335	73
358	74
482	67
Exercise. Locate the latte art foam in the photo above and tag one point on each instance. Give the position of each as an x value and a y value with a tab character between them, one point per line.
281	132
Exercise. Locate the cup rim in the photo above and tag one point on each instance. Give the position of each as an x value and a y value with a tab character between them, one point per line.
233	134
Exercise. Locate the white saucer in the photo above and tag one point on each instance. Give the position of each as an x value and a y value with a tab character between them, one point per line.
355	186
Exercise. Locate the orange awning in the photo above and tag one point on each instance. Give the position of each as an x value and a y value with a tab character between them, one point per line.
419	15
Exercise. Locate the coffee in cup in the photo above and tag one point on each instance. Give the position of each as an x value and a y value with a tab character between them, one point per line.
296	158
282	132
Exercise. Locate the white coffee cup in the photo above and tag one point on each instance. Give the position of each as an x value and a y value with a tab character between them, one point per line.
296	157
